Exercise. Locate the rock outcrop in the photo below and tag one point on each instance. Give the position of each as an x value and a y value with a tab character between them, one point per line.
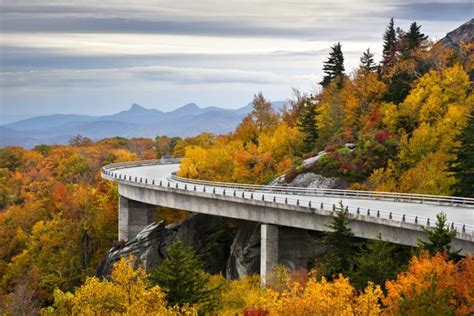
209	236
244	258
463	34
297	249
313	180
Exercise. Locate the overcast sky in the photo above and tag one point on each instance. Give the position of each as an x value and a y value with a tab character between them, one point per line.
98	57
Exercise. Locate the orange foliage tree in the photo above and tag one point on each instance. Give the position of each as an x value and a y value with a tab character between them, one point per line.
433	286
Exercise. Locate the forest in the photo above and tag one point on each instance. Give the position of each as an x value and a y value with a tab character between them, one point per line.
410	118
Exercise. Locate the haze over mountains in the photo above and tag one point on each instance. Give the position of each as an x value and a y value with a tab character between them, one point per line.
138	121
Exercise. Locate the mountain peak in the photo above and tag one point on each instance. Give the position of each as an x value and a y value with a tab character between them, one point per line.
135	107
190	106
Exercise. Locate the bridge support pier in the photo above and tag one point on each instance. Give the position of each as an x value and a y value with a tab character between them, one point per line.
268	250
133	217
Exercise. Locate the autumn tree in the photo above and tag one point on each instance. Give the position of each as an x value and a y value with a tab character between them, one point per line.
463	165
181	276
367	62
262	113
334	66
428	121
11	157
80	141
165	145
128	292
389	44
247	131
292	110
439	238
432	285
142	147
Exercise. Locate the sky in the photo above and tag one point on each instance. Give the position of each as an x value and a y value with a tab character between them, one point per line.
99	57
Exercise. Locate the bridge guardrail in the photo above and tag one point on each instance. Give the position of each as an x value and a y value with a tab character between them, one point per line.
373	195
247	192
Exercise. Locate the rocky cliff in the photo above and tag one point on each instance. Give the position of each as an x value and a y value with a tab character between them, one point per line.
209	236
463	34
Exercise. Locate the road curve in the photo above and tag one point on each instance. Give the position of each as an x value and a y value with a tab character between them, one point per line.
460	214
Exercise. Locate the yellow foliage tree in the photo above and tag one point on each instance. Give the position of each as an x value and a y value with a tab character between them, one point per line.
429	119
127	293
327	298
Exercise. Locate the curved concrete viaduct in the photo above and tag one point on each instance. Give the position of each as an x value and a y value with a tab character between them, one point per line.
397	217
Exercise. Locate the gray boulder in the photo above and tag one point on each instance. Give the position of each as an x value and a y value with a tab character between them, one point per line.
313	180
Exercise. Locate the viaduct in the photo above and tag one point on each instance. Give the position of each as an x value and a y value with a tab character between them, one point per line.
397	217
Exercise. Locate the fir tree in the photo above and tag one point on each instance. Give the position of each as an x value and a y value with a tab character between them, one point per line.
181	276
307	123
379	261
463	166
340	245
414	38
389	44
439	238
367	63
334	66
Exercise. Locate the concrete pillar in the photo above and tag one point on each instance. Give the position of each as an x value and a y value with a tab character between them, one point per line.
268	250
133	217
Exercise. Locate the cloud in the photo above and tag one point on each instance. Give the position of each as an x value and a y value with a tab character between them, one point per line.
100	78
433	11
67	53
321	19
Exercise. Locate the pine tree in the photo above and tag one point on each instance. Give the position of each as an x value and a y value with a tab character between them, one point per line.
367	63
181	276
334	66
414	38
463	166
307	123
379	261
340	245
439	238
389	44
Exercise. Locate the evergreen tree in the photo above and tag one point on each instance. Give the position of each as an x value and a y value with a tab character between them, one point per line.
367	63
389	44
463	166
379	261
340	244
307	123
439	238
414	38
181	276
334	66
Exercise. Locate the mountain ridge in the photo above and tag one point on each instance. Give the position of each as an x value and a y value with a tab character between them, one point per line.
137	121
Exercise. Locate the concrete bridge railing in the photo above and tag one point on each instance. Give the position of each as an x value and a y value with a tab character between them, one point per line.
358	194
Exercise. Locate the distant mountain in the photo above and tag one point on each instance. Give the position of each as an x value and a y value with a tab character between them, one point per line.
138	121
47	122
